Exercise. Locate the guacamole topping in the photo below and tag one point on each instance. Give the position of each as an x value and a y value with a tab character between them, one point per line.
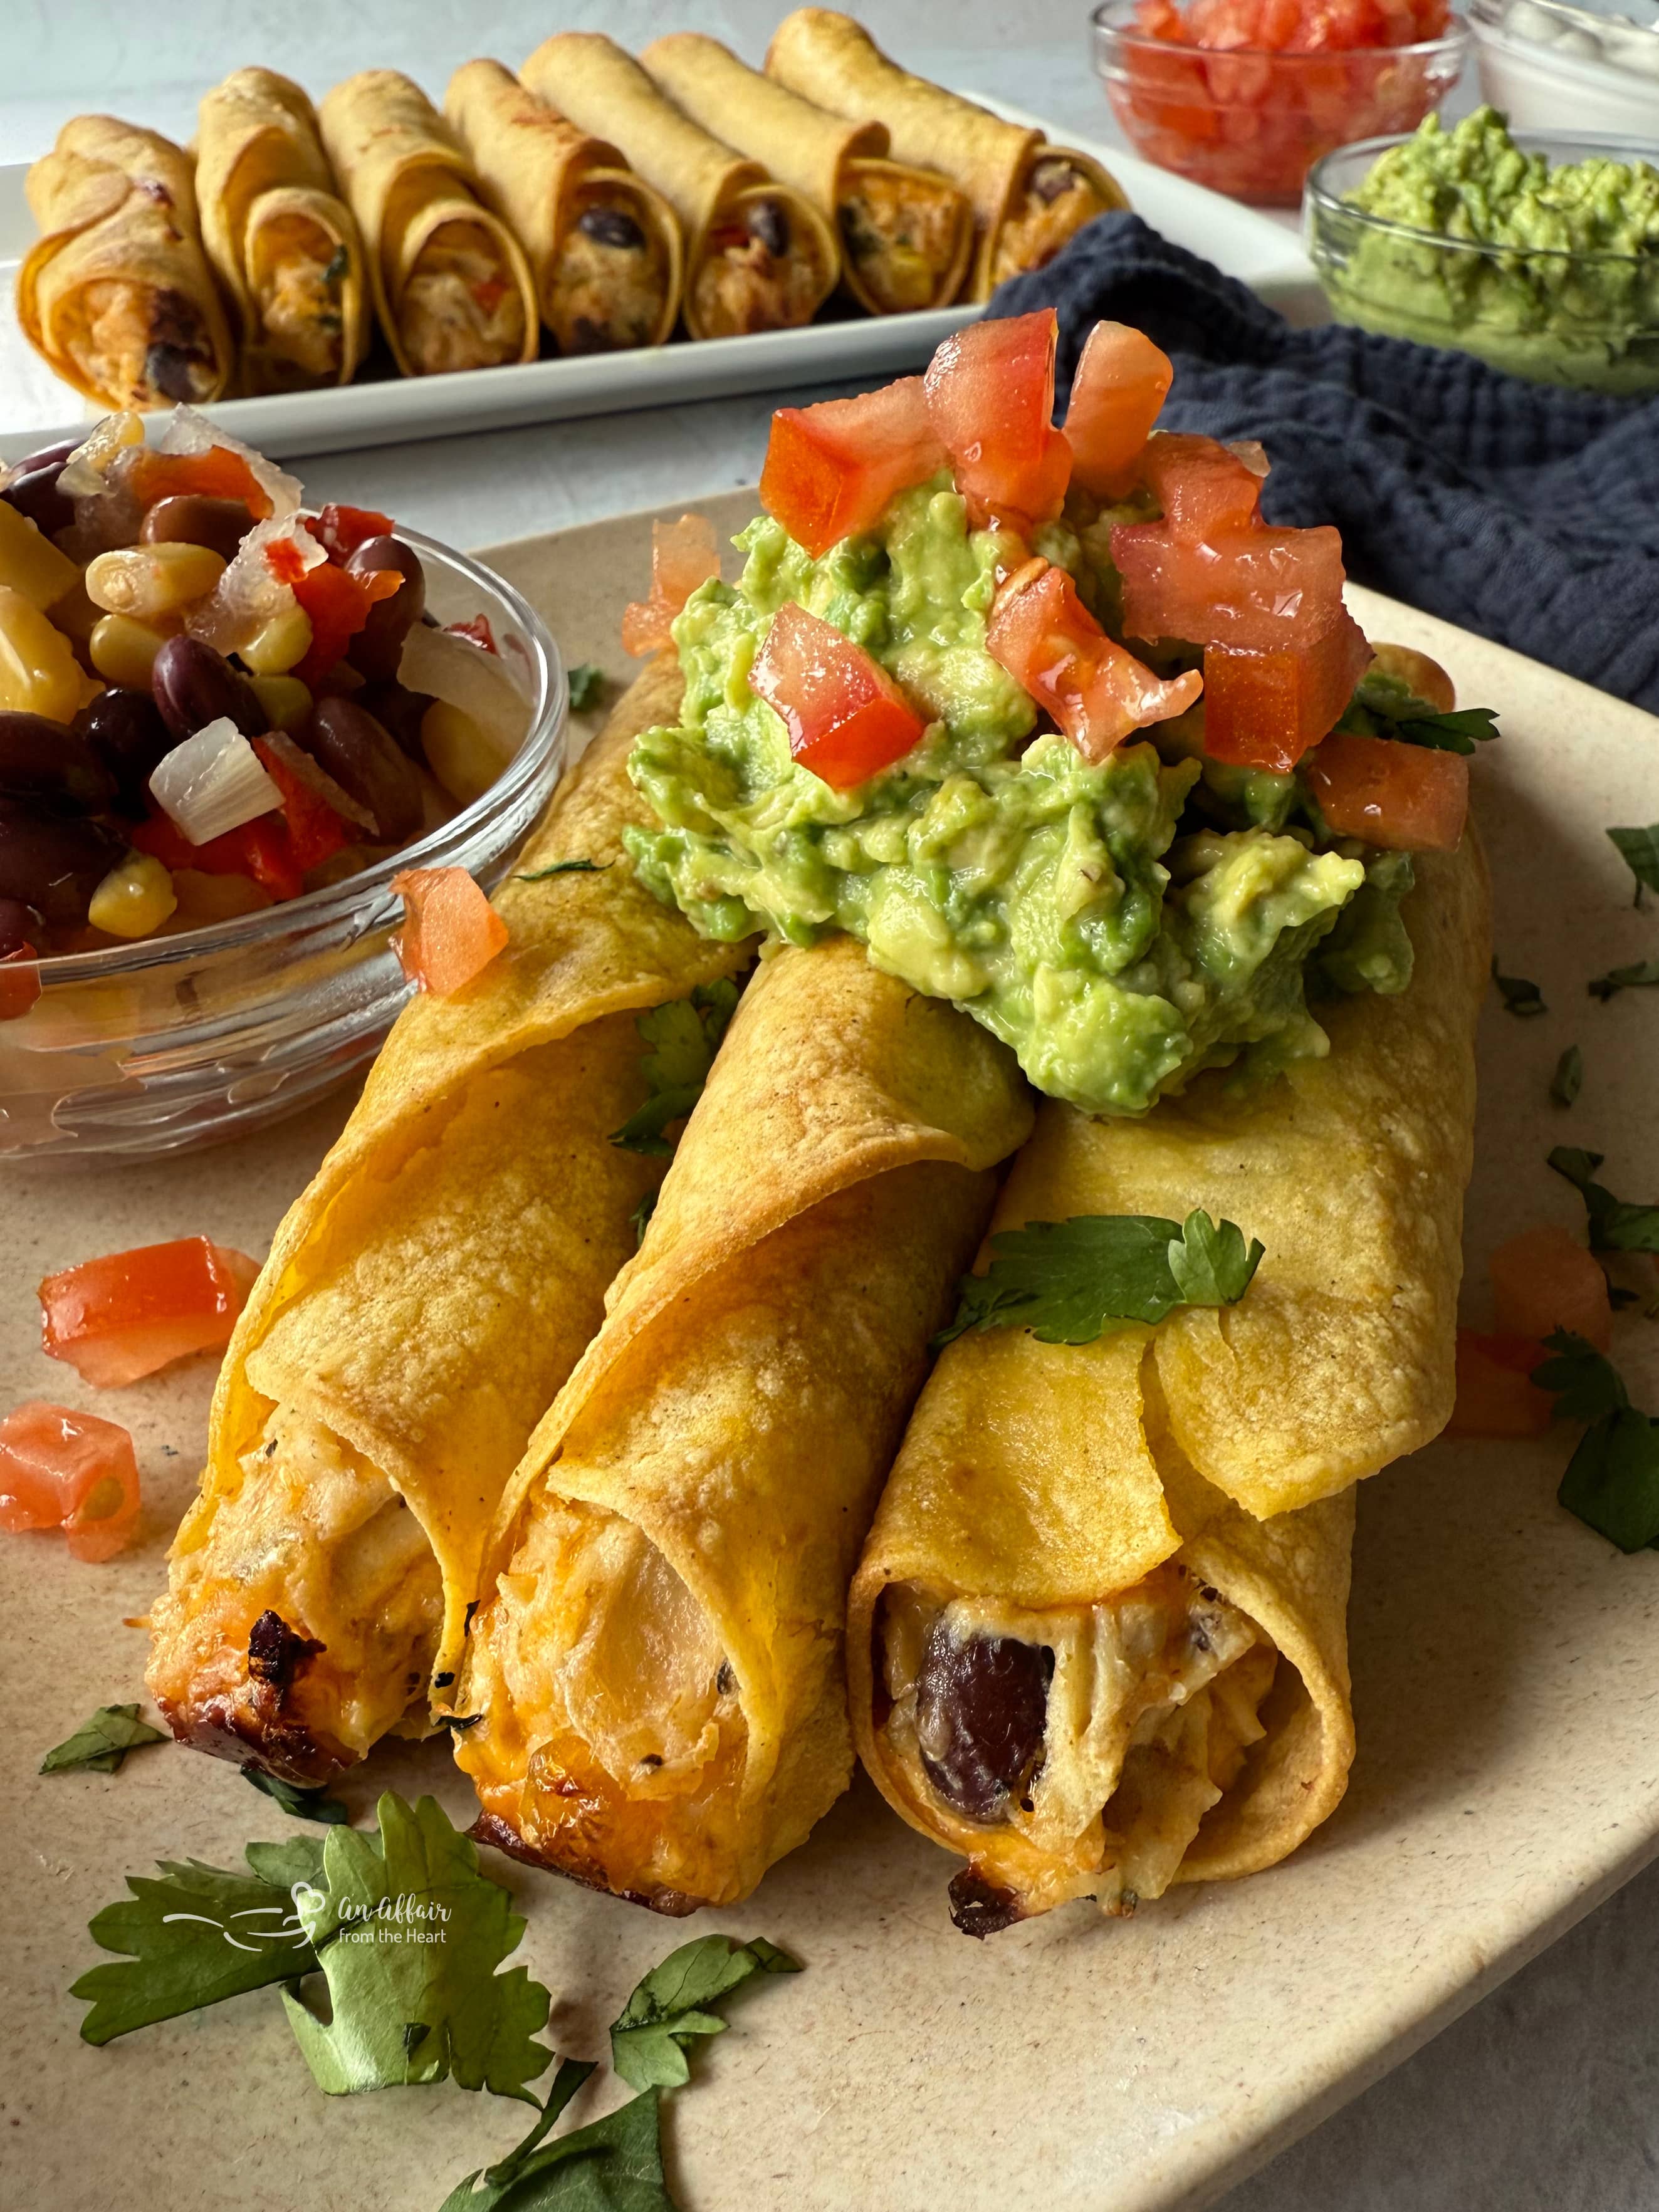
1121	925
1534	304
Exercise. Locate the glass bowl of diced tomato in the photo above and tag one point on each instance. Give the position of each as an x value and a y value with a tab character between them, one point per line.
1246	95
180	1039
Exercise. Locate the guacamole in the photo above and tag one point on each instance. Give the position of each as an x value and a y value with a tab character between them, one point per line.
1121	925
1533	304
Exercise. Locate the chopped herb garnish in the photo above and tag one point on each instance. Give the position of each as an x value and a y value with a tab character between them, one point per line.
100	1745
613	2164
641	1217
1640	849
670	2007
1616	1224
1568	1079
686	1035
565	868
1639	974
586	687
1611	1481
1383	706
1070	1282
338	262
1519	996
300	1803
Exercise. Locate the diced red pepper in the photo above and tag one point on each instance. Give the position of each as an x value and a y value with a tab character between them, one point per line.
451	931
218	473
315	831
261	849
337	601
341	530
831	469
60	1469
1098	693
1404	797
1122	383
285	560
476	631
845	717
991	393
1496	1394
20	983
123	1316
1548	1279
1264	707
683	556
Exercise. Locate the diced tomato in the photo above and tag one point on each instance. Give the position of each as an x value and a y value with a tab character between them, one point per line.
1546	1279
1122	383
341	530
683	555
65	1470
1496	1394
1098	693
218	473
845	717
831	469
1203	486
337	601
129	1313
20	983
261	849
1265	707
476	631
1404	797
315	831
991	393
450	931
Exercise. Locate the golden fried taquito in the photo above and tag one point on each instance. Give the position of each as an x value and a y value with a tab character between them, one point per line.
907	234
451	287
658	1663
1029	198
423	1303
117	296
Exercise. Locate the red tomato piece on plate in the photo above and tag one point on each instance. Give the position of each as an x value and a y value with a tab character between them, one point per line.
1547	1278
1404	797
341	530
123	1316
683	556
1264	707
450	932
337	601
990	394
1496	1394
831	469
1098	693
65	1470
1122	383
845	717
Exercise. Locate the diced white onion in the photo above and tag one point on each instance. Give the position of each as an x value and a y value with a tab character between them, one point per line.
250	594
190	432
213	782
83	475
464	675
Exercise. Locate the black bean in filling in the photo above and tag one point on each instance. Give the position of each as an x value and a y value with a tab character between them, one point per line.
768	223
610	226
982	1707
274	1650
177	341
1051	179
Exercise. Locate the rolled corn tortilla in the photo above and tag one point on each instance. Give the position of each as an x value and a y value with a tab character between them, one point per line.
906	234
1028	196
117	296
759	254
452	287
658	1664
603	247
283	242
424	1301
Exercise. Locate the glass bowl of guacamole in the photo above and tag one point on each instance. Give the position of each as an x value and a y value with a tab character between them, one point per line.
1535	250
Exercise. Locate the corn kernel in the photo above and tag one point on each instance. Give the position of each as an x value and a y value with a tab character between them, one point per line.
76	614
205	898
147	581
30	563
123	651
279	644
284	698
135	898
458	752
39	672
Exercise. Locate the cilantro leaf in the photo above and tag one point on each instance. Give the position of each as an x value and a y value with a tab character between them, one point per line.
640	1218
565	868
1640	851
300	1804
1584	1383
685	1035
1568	1079
1383	706
650	2036
408	1934
1070	1282
1611	1481
1616	1224
615	2165
586	686
1519	996
1637	976
100	1745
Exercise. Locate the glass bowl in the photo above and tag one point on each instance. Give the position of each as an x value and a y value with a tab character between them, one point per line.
1251	123
175	1041
1553	67
1590	319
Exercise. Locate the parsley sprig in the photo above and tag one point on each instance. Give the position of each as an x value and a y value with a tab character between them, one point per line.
1616	1224
99	1744
1611	1481
1383	706
1639	848
1520	996
685	1035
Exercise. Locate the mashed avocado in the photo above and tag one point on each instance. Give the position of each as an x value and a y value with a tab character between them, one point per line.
1116	936
1533	305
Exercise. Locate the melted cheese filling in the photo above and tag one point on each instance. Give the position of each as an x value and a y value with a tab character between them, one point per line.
900	228
742	286
602	296
1058	200
302	330
460	308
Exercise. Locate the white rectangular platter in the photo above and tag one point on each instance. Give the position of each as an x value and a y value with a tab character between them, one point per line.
36	408
1508	1777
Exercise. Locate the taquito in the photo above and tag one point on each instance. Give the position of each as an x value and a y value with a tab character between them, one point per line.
1028	196
422	1304
603	246
117	296
658	1664
451	287
907	234
281	240
758	255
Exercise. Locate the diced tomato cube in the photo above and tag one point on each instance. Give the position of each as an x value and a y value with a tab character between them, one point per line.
20	983
218	473
341	530
831	469
1257	587
1203	486
845	717
1122	383
1098	693
1496	1394
129	1313
65	1470
451	931
683	556
1404	797
1264	707
1548	1279
337	601
991	393
315	831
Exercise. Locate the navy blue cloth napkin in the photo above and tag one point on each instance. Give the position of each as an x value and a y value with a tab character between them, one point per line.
1525	512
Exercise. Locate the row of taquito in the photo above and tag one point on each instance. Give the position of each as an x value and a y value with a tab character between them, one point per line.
1096	1637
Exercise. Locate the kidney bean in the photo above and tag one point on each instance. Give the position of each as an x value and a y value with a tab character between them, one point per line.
194	685
399	710
610	226
42	759
353	748
33	490
378	647
19	925
193	519
982	1709
768	223
125	730
51	863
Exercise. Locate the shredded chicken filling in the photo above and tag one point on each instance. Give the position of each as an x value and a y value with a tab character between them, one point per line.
296	270
758	276
460	308
610	283
900	228
1058	200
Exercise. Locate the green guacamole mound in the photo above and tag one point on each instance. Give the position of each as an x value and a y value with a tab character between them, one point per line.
1120	925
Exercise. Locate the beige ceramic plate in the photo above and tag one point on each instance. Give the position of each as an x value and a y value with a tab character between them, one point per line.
1503	1654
